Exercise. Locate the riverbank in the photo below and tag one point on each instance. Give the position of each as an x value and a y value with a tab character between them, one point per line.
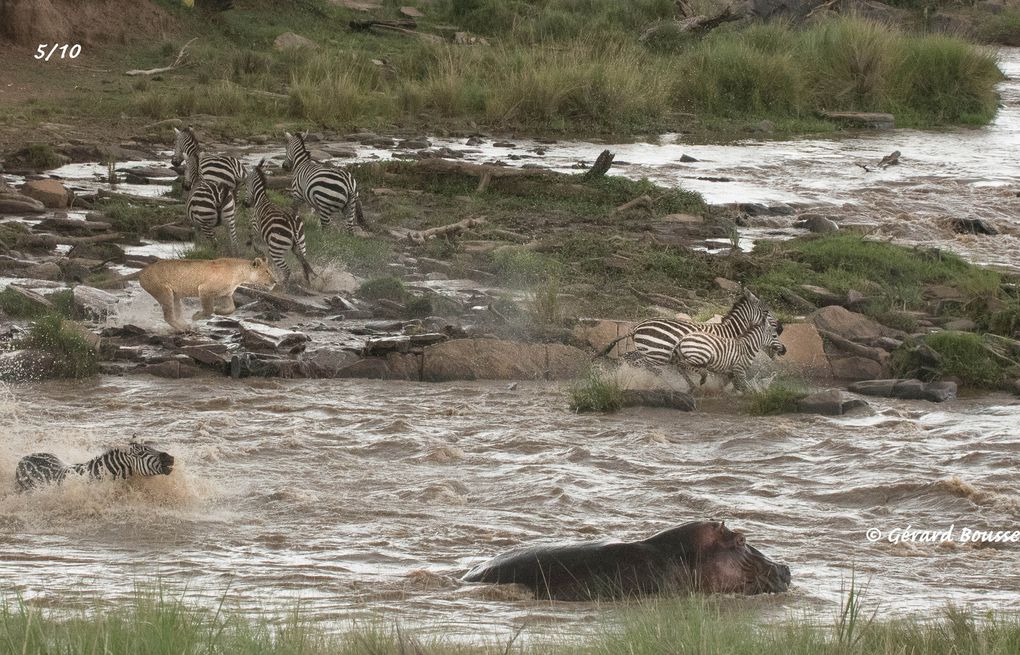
512	71
160	623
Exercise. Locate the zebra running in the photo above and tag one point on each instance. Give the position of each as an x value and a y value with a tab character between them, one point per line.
328	190
728	355
656	339
137	459
218	169
209	204
280	230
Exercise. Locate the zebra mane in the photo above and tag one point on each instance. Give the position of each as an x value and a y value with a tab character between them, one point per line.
742	301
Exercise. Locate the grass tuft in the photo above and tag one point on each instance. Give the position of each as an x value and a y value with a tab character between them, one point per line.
74	357
597	391
780	397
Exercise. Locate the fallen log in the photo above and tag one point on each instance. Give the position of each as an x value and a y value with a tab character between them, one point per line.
283	302
406	27
486	172
421	236
177	62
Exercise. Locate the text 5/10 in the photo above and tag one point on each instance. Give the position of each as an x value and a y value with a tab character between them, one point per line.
45	51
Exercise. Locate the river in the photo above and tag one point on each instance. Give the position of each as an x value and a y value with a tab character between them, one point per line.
362	499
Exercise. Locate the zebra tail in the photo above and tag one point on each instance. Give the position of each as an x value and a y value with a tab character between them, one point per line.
612	344
359	212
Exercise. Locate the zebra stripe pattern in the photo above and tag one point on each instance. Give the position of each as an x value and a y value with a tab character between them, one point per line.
218	169
208	204
280	230
728	355
137	459
329	191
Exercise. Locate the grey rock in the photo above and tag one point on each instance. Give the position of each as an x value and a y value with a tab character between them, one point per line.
961	325
93	303
817	223
832	402
911	389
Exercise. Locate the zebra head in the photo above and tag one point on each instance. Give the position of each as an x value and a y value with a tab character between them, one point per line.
760	311
191	172
297	151
255	182
185	143
146	460
763	337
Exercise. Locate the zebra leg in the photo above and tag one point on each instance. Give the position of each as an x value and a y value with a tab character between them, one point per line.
231	220
739	377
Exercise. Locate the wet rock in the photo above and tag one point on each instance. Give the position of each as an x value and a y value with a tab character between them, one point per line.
25	365
292	41
340	153
172	232
103	252
93	303
17	203
381	142
71	227
805	351
212	354
44	271
394	366
77	270
816	223
973	226
172	369
414	144
855	368
12	266
850	325
495	359
687	159
51	193
474	141
679	400
328	362
504	144
911	389
832	402
266	338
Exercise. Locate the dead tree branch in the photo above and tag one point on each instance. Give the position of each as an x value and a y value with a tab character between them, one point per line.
177	62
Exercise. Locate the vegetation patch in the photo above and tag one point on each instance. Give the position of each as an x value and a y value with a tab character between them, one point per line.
977	361
135	219
780	397
1001	29
37	156
596	391
74	357
383	288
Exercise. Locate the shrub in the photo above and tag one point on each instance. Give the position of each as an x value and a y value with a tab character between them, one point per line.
520	267
15	305
388	288
596	392
74	357
1001	29
962	355
39	156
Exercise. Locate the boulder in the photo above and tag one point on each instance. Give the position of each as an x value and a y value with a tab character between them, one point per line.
816	223
266	338
171	369
495	359
102	252
18	203
292	41
40	303
24	365
93	303
805	351
394	366
76	270
855	368
831	402
597	333
680	400
51	193
973	226
212	354
44	271
911	389
850	325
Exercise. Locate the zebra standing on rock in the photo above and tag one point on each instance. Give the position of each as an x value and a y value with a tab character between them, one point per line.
209	204
330	191
280	230
137	459
218	169
728	355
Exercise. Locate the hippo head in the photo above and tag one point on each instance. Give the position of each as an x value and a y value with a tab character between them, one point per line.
719	560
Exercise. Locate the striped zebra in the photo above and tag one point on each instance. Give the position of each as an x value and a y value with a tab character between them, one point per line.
280	230
727	355
137	459
219	169
656	339
330	191
209	204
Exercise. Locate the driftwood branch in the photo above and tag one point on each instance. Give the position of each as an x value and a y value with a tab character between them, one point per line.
177	62
421	236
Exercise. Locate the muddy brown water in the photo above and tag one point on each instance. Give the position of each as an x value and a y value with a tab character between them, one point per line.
362	499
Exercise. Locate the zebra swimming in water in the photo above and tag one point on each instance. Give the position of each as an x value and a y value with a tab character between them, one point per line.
209	204
329	191
728	355
280	230
218	169
656	339
136	459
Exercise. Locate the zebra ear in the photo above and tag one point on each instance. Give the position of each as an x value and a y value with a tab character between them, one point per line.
287	134
176	131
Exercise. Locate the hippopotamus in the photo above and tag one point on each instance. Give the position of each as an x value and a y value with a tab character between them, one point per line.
700	556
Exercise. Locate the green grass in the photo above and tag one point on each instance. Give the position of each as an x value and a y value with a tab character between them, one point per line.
155	623
360	254
780	397
596	391
572	66
38	156
135	219
15	305
74	357
1001	29
387	288
974	360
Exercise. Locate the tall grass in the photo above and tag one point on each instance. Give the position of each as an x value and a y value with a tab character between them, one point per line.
73	356
578	65
596	391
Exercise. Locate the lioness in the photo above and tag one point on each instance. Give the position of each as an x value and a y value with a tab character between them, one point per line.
212	281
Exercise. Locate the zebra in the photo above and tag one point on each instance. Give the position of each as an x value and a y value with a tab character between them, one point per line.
219	169
209	204
136	459
328	190
656	339
280	230
728	355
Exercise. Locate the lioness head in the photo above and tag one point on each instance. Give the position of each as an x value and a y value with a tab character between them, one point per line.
261	273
